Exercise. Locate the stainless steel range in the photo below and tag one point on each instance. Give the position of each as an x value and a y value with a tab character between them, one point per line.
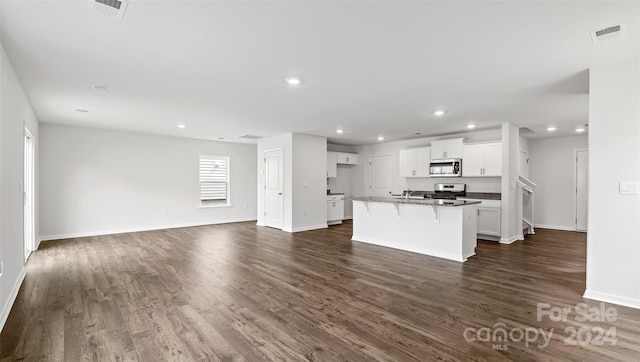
448	191
440	191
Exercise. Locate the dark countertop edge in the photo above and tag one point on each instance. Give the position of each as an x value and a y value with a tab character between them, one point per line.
428	202
484	195
335	194
470	195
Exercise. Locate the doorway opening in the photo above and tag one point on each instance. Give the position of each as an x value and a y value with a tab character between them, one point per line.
28	191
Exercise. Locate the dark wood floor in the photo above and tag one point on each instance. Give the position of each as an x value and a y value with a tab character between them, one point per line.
242	292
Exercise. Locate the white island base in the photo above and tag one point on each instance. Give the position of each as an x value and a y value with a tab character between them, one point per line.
447	232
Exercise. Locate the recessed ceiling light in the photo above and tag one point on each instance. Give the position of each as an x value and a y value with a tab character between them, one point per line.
471	126
380	138
438	113
292	80
579	130
99	88
551	129
82	110
182	126
339	131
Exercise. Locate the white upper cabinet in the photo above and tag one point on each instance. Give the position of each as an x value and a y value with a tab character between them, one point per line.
493	159
415	162
482	160
332	164
347	158
451	148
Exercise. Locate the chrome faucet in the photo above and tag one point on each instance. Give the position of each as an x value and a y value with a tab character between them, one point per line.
406	194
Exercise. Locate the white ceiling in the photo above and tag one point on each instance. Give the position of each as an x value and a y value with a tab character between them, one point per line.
372	68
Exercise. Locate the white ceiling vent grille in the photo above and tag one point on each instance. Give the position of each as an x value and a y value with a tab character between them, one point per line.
250	137
611	32
111	8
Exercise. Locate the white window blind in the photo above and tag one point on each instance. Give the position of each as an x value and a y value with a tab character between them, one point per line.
214	179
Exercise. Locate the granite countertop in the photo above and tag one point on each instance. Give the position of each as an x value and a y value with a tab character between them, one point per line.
432	202
335	193
484	195
470	195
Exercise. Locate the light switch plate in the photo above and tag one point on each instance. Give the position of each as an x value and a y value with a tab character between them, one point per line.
629	188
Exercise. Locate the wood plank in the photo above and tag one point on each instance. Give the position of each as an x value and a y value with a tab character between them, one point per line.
238	292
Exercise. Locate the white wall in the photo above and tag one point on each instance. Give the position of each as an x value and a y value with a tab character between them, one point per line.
552	167
613	239
97	181
511	227
305	171
15	113
524	144
309	182
360	174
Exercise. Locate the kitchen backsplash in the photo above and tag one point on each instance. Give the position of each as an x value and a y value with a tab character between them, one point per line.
474	184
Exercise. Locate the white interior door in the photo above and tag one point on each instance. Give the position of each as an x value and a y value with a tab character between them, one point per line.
28	195
582	189
524	164
274	188
380	172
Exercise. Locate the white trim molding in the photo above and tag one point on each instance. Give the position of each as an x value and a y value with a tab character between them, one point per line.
510	240
12	298
611	298
305	228
135	230
555	227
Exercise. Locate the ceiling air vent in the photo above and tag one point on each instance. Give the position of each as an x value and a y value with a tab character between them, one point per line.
609	33
250	137
111	8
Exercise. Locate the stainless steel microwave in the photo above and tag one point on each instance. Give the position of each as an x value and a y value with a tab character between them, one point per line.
446	168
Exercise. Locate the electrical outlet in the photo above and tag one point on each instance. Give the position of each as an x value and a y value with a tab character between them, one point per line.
166	211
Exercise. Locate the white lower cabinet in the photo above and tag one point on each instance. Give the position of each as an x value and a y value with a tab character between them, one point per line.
335	209
488	219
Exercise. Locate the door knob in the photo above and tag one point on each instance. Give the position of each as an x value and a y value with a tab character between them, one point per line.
279	193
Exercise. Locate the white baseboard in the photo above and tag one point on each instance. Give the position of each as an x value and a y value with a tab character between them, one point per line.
12	298
305	228
612	298
135	230
510	240
554	227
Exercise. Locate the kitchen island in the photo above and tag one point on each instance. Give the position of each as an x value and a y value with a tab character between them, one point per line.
441	228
